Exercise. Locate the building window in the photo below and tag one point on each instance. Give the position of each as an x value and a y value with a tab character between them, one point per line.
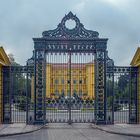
80	93
80	81
68	81
56	81
62	81
74	81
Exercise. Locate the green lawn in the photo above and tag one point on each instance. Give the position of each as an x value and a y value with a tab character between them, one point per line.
87	109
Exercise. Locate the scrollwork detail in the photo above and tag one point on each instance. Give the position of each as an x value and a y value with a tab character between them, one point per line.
62	32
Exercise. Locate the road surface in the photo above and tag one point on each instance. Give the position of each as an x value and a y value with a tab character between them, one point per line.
69	132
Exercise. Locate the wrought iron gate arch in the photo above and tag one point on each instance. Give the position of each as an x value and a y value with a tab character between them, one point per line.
64	40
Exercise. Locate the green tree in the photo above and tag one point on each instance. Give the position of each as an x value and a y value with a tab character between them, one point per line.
19	86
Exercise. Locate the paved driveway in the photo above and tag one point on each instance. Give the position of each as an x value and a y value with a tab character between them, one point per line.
69	132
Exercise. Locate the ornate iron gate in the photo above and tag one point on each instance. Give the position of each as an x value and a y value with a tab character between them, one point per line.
50	105
70	78
70	87
122	94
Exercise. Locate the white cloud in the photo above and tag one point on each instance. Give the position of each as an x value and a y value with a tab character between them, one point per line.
81	5
117	20
117	3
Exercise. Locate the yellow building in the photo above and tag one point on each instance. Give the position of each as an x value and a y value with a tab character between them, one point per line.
4	60
58	77
136	62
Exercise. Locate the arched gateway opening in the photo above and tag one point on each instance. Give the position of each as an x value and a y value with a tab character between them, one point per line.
70	78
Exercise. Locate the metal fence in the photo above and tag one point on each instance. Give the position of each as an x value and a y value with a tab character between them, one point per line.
70	91
122	94
16	93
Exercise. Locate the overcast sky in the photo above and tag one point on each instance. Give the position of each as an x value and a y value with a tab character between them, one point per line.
117	20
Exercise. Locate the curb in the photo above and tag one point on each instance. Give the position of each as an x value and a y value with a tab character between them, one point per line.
115	132
21	133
